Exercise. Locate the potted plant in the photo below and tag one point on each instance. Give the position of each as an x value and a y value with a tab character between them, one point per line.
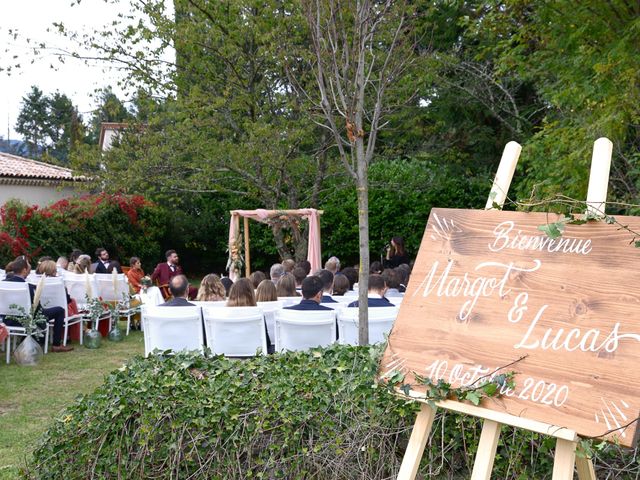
95	311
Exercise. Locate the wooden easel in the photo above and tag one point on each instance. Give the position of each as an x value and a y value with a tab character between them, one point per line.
567	440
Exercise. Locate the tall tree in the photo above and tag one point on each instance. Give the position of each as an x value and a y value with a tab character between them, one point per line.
361	49
50	125
228	118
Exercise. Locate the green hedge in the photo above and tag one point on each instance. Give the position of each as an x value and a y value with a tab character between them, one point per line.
310	415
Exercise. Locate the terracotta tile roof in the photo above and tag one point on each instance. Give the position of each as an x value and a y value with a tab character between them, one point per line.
19	167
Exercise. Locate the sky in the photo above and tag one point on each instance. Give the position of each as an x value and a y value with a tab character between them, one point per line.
75	79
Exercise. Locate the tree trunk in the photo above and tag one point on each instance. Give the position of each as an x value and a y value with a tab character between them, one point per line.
362	187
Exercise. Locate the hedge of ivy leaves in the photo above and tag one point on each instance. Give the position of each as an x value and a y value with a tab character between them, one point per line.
309	415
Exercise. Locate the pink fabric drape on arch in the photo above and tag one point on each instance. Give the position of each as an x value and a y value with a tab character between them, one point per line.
311	214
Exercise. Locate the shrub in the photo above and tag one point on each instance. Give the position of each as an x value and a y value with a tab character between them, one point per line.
295	416
299	415
123	224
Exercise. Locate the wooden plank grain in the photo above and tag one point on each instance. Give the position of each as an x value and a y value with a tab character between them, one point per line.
489	287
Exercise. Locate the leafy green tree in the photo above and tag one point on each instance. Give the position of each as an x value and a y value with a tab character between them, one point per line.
50	125
582	60
32	122
110	109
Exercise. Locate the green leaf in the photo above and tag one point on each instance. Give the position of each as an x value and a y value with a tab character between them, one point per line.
553	230
473	396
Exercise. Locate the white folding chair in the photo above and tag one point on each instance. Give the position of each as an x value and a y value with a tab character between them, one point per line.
78	286
269	310
304	329
3	274
16	293
54	295
288	301
235	331
381	321
203	305
116	292
397	300
82	287
172	328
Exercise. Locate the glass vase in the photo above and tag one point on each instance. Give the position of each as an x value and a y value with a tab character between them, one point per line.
115	335
29	352
92	338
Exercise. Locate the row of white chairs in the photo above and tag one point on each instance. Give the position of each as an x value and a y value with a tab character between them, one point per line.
80	287
241	331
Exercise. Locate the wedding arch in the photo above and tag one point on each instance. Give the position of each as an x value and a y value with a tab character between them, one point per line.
235	261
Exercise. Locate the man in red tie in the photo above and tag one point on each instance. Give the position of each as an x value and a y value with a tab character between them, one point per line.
165	271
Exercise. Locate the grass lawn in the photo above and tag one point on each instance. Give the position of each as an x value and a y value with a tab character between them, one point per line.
30	397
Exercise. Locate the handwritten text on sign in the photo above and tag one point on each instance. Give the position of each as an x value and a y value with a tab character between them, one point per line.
488	287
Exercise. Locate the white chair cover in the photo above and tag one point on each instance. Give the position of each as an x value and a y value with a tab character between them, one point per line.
172	328
381	321
235	331
304	329
269	310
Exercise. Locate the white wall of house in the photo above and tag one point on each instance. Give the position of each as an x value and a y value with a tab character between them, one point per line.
36	194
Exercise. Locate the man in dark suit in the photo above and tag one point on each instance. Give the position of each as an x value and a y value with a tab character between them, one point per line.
327	285
165	271
311	295
104	264
179	287
20	269
377	289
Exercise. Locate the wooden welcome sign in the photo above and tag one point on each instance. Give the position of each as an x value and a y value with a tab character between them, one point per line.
489	287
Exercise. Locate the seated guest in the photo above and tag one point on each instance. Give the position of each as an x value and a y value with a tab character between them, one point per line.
306	266
211	289
376	268
241	294
311	295
104	263
82	264
299	274
17	271
62	265
352	275
48	268
276	272
288	265
179	288
333	265
286	286
392	280
266	291
135	274
227	282
375	297
73	258
327	281
404	271
167	270
257	277
340	285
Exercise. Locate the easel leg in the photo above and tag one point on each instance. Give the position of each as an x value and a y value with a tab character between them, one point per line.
585	469
417	442
565	460
483	464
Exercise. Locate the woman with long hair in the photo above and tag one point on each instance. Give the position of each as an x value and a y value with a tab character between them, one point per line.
241	294
266	292
396	254
211	289
286	286
82	264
